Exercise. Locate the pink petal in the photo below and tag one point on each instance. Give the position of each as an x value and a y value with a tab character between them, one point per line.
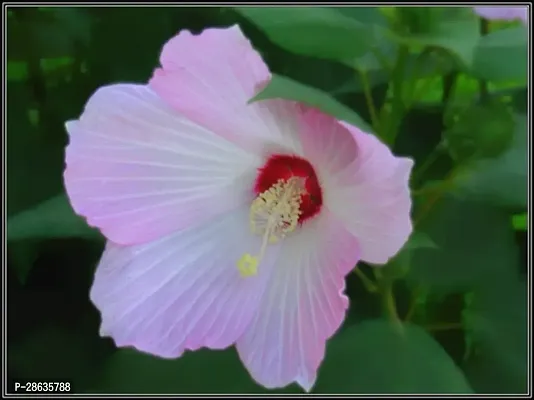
138	170
303	306
328	145
210	77
503	13
183	291
372	197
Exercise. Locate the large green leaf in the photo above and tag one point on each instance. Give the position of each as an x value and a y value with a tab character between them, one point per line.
454	30
502	56
501	181
199	372
475	242
325	74
381	49
375	358
53	218
285	88
497	320
364	15
321	32
411	363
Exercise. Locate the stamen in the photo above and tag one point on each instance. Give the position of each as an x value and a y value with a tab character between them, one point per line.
273	214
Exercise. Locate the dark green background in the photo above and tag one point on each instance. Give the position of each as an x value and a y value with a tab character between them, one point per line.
58	57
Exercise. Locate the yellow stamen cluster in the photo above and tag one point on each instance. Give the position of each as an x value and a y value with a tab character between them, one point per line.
273	214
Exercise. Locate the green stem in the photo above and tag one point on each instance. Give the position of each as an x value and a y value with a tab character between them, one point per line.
419	300
370	286
369	99
414	79
389	300
385	288
394	118
429	161
482	84
388	125
483	90
378	274
447	183
413	304
389	304
449	82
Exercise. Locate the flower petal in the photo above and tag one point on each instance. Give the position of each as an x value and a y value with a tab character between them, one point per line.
303	306
503	13
183	291
138	171
327	144
210	77
372	197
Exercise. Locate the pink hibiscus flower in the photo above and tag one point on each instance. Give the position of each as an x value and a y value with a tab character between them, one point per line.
503	13
227	222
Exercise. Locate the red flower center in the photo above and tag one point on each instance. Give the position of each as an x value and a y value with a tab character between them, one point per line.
285	167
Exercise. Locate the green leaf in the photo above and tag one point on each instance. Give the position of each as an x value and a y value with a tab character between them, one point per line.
502	56
209	371
400	264
502	181
520	222
316	31
419	240
381	45
374	358
53	218
415	20
285	88
497	320
475	242
430	64
203	371
364	15
456	31
480	131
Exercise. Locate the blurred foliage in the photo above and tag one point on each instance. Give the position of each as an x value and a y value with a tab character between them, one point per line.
471	242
